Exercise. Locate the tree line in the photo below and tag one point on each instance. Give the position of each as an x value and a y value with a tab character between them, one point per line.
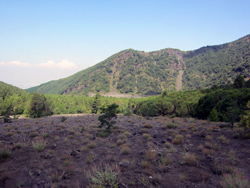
226	103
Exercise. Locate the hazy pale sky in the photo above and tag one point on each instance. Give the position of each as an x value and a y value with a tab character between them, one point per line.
52	39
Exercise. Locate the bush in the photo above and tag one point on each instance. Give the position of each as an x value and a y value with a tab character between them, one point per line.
104	133
128	112
149	126
189	158
171	125
4	154
102	178
236	179
39	145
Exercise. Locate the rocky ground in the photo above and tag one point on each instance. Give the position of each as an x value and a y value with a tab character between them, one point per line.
140	152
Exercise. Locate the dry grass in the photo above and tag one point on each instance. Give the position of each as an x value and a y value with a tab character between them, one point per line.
146	164
178	139
189	158
148	126
125	150
151	155
92	145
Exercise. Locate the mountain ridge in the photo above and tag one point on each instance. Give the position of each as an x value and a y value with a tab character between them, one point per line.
148	73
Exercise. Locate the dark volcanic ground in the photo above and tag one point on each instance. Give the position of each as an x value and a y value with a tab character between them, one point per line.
140	152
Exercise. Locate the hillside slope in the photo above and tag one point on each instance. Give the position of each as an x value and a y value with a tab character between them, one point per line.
128	71
149	73
10	89
217	65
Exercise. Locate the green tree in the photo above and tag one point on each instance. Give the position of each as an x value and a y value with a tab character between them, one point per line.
96	104
39	106
233	112
4	92
245	120
239	82
6	106
108	116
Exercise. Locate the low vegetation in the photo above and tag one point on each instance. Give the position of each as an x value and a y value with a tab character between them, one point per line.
72	153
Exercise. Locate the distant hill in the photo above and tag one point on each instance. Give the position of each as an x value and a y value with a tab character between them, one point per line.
11	89
149	73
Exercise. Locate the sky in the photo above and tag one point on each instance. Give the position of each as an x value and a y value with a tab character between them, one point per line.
48	40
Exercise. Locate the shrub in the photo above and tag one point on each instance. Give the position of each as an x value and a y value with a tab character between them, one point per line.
209	137
144	130
122	137
104	134
90	159
236	179
45	135
184	130
189	158
148	126
171	125
125	150
33	134
71	136
151	155
9	134
100	177
208	151
39	145
119	142
127	133
4	154
92	145
212	128
146	164
20	145
178	139
168	145
166	160
223	139
208	145
146	135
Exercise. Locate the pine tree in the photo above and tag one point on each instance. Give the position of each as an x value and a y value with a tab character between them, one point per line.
96	104
109	114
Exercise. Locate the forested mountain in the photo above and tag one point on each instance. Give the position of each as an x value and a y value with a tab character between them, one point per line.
149	73
7	88
128	71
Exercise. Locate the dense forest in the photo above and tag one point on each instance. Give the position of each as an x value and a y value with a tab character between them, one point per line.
151	73
219	103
